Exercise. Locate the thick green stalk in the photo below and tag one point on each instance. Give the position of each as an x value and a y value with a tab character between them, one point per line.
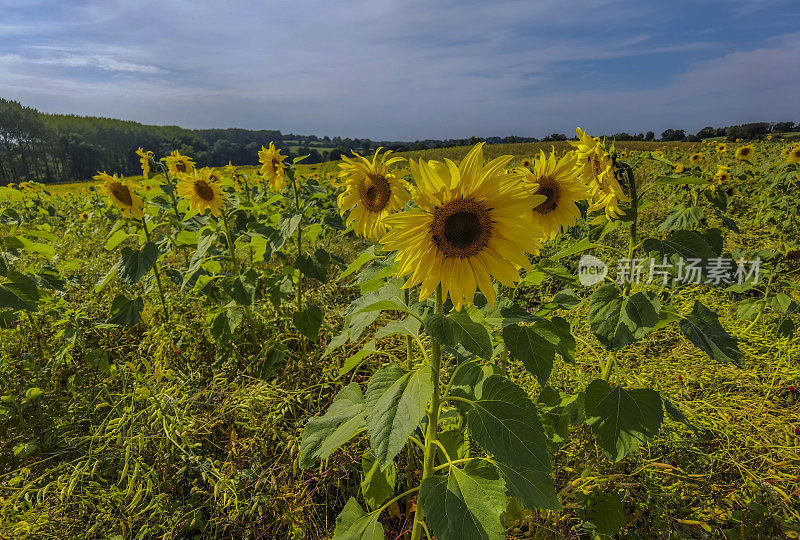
231	250
298	290
409	339
157	274
609	366
432	432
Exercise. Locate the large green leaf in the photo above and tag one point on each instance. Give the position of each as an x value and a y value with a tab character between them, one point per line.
396	400
308	322
342	421
618	321
465	504
535	346
126	312
355	524
135	263
377	486
225	322
621	419
687	244
459	329
243	288
534	489
682	217
504	422
315	265
703	329
19	291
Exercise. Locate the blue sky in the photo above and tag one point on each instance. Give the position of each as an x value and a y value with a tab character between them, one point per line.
407	70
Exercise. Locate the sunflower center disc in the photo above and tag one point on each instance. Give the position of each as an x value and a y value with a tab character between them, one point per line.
180	166
461	228
122	194
552	191
203	190
375	193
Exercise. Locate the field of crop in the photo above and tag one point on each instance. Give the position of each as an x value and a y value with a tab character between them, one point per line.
231	353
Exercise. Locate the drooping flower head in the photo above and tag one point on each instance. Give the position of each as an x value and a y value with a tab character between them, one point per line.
203	190
598	172
272	167
559	181
178	164
145	158
471	227
122	195
371	192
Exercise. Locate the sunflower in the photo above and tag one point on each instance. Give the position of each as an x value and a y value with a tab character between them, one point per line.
371	192
272	167
679	167
721	177
696	158
743	153
559	181
121	195
597	169
85	216
144	158
470	226
179	164
793	154
722	148
203	191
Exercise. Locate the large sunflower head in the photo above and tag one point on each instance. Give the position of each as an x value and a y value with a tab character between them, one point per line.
145	158
272	167
203	191
179	164
793	154
722	148
722	176
559	181
596	168
121	194
696	157
744	153
371	192
471	226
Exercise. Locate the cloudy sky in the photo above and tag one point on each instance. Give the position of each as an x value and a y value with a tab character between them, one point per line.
392	69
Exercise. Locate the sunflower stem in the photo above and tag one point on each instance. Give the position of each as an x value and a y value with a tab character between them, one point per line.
609	366
229	237
409	339
635	209
432	432
174	207
298	288
157	274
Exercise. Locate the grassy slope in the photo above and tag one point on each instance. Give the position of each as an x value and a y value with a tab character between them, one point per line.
229	466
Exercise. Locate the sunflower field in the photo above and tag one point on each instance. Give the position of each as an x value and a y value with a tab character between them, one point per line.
577	340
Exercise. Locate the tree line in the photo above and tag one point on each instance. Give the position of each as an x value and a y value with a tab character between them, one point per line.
57	147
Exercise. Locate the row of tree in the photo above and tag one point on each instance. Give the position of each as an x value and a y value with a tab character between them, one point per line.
56	147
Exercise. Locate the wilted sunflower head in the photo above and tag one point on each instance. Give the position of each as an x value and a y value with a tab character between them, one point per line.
144	159
558	180
696	157
471	226
371	192
272	167
203	191
744	153
179	164
597	170
121	194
